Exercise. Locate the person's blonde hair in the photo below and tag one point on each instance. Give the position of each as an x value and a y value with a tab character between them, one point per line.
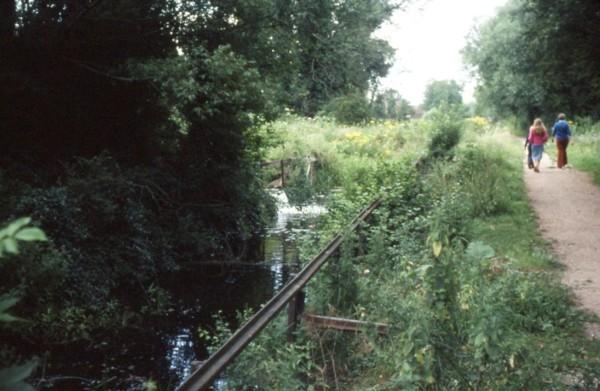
538	126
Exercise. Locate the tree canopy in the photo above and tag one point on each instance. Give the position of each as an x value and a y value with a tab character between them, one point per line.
539	58
132	131
440	92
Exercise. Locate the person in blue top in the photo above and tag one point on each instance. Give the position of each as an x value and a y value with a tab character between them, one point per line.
562	133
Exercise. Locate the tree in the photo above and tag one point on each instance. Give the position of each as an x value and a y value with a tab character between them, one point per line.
391	105
337	54
528	68
68	94
442	92
133	130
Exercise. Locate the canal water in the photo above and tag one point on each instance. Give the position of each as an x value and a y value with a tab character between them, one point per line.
165	349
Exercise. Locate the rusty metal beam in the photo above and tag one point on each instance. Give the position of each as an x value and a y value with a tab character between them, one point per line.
341	324
201	378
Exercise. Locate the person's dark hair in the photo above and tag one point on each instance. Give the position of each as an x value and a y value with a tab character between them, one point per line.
562	116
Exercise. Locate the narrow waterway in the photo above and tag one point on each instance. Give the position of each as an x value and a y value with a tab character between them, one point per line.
165	349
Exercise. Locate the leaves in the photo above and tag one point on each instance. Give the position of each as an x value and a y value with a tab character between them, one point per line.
437	248
31	234
16	225
442	92
11	379
7	302
18	231
479	250
527	68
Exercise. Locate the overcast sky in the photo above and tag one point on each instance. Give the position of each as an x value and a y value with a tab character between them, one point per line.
428	38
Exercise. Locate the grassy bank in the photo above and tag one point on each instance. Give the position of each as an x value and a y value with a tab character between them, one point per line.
584	148
514	233
452	261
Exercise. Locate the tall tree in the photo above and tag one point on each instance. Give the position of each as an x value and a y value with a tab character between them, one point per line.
440	92
338	54
539	57
391	105
63	78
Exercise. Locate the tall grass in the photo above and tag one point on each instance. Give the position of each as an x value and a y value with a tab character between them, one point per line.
452	261
347	156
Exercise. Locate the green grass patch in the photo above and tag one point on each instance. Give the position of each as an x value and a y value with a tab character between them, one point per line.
452	260
584	154
584	149
514	233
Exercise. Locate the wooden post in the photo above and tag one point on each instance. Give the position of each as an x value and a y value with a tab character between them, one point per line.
282	164
295	307
295	310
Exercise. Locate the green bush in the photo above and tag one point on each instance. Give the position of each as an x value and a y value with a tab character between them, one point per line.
349	109
447	126
266	363
460	317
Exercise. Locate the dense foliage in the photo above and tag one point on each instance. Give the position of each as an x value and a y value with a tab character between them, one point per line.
451	262
132	132
442	92
391	105
11	378
539	58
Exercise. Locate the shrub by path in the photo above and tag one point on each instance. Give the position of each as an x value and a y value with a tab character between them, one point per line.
567	204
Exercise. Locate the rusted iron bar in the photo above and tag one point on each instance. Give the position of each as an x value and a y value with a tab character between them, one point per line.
341	324
201	378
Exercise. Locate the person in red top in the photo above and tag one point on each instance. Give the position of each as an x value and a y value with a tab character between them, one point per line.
538	135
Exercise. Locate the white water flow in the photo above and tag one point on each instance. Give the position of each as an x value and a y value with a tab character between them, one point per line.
281	237
287	212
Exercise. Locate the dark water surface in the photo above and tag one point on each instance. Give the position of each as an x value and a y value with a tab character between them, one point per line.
164	349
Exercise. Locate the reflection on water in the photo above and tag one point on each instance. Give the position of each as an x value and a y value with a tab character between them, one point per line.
279	252
181	353
165	350
277	271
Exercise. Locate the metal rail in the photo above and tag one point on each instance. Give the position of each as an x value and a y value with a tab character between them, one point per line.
202	378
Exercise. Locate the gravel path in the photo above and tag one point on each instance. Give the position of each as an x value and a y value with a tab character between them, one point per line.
567	204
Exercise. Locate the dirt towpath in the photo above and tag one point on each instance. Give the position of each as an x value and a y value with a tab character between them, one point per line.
567	204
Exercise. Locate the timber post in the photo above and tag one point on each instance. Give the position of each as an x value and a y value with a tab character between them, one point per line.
295	310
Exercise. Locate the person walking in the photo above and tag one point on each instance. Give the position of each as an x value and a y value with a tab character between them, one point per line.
538	135
562	133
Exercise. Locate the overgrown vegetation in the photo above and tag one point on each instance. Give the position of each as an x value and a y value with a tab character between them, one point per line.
528	68
12	378
453	263
134	133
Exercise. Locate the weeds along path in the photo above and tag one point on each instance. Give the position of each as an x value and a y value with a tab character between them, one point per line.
567	204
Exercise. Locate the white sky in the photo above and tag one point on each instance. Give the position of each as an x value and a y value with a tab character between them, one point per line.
428	38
